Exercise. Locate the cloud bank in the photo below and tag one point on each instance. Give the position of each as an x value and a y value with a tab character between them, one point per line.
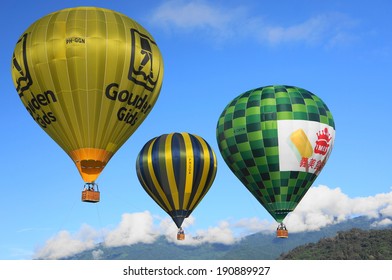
133	228
323	206
320	207
222	23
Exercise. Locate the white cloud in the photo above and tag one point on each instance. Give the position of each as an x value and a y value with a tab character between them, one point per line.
32	229
252	225
200	16
65	244
323	206
185	14
133	228
383	222
220	22
320	207
328	29
217	234
387	210
222	233
97	254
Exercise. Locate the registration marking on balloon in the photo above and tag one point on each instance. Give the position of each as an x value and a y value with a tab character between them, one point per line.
304	145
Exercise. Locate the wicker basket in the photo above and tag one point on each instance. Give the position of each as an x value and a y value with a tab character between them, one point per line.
282	233
90	196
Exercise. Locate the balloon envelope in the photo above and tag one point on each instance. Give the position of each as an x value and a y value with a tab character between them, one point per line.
89	77
276	140
176	170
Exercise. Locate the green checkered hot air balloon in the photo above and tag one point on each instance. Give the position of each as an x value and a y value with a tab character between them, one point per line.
276	140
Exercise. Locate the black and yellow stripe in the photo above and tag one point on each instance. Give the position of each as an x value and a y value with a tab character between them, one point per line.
177	170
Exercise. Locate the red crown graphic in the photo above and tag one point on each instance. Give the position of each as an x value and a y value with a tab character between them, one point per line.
322	142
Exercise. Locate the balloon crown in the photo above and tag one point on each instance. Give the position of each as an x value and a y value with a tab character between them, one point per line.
322	143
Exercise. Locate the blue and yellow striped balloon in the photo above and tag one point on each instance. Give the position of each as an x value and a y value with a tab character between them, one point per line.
177	170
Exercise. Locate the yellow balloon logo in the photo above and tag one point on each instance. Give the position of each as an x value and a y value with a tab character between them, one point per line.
89	77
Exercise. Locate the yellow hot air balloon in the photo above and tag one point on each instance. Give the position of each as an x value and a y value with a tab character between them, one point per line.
89	77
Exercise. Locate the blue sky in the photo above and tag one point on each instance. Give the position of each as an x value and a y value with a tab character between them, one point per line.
213	51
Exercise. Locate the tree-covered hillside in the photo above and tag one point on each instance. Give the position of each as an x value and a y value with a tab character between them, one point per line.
355	244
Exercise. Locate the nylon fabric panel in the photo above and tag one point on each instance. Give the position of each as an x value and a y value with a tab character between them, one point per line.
207	167
159	154
177	150
142	170
171	180
155	176
199	162
179	164
189	168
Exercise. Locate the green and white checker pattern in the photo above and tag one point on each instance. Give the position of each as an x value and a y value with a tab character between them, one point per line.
247	134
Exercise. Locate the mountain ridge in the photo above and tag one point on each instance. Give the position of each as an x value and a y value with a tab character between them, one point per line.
252	247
